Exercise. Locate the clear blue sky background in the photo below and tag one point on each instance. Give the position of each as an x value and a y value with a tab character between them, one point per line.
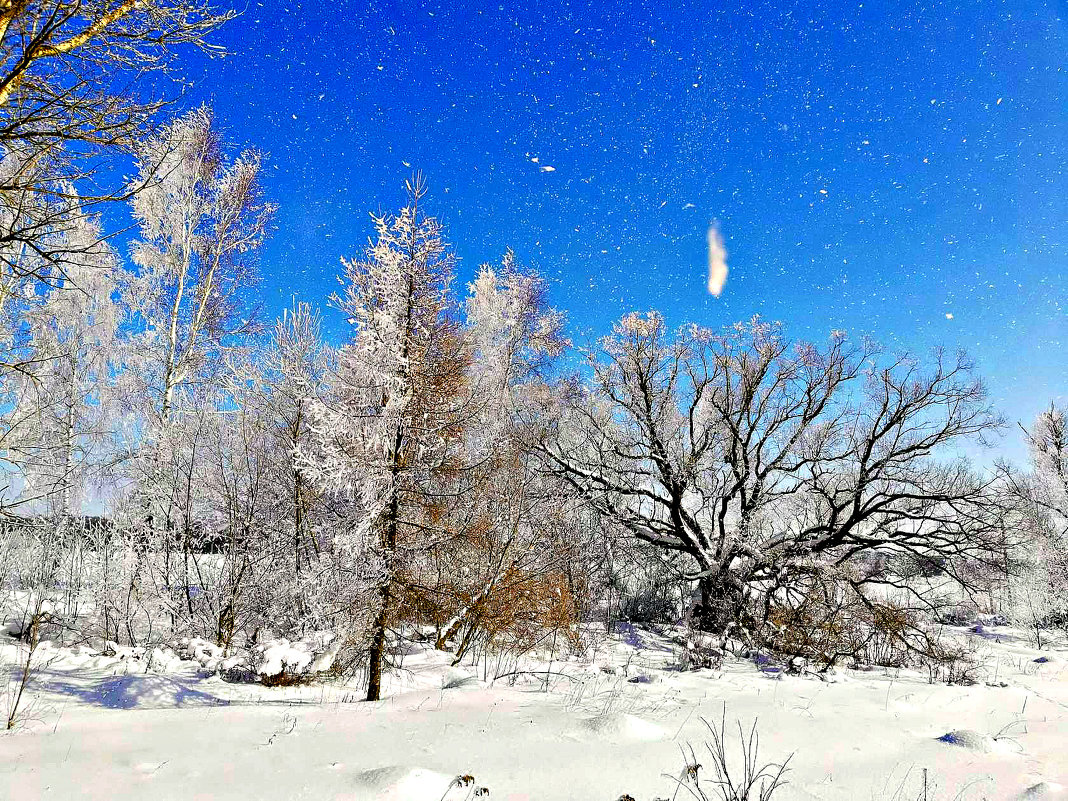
873	166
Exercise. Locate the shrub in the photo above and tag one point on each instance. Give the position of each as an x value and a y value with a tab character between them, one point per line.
653	601
287	678
833	621
951	663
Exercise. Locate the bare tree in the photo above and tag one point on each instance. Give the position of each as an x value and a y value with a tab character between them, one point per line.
766	462
69	75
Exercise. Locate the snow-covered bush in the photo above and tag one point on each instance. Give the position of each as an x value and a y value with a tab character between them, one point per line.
281	662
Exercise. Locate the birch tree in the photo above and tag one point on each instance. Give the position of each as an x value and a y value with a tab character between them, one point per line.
201	219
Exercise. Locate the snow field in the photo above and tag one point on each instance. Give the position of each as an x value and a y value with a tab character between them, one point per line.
113	726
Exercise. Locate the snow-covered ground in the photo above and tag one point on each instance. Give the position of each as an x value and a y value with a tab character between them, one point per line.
614	722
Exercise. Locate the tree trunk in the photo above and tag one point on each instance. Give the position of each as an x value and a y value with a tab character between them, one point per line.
377	655
721	603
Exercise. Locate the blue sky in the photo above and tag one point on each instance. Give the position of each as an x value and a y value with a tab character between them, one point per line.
888	168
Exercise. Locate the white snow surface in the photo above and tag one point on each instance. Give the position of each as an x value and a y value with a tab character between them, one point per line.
105	723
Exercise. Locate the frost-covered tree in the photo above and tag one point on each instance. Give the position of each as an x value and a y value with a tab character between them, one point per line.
237	528
768	463
390	430
63	400
504	572
514	335
56	258
264	523
1048	441
1040	560
57	427
201	219
296	367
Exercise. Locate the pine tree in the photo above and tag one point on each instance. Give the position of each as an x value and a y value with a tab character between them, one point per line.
391	429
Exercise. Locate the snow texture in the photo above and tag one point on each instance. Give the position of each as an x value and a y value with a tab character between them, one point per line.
118	722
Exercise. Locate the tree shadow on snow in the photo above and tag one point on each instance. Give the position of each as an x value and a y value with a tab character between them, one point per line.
639	638
131	691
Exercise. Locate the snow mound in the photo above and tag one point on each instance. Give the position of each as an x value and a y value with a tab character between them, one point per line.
456	678
197	650
971	740
1041	790
620	726
402	783
833	675
643	678
277	656
163	659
